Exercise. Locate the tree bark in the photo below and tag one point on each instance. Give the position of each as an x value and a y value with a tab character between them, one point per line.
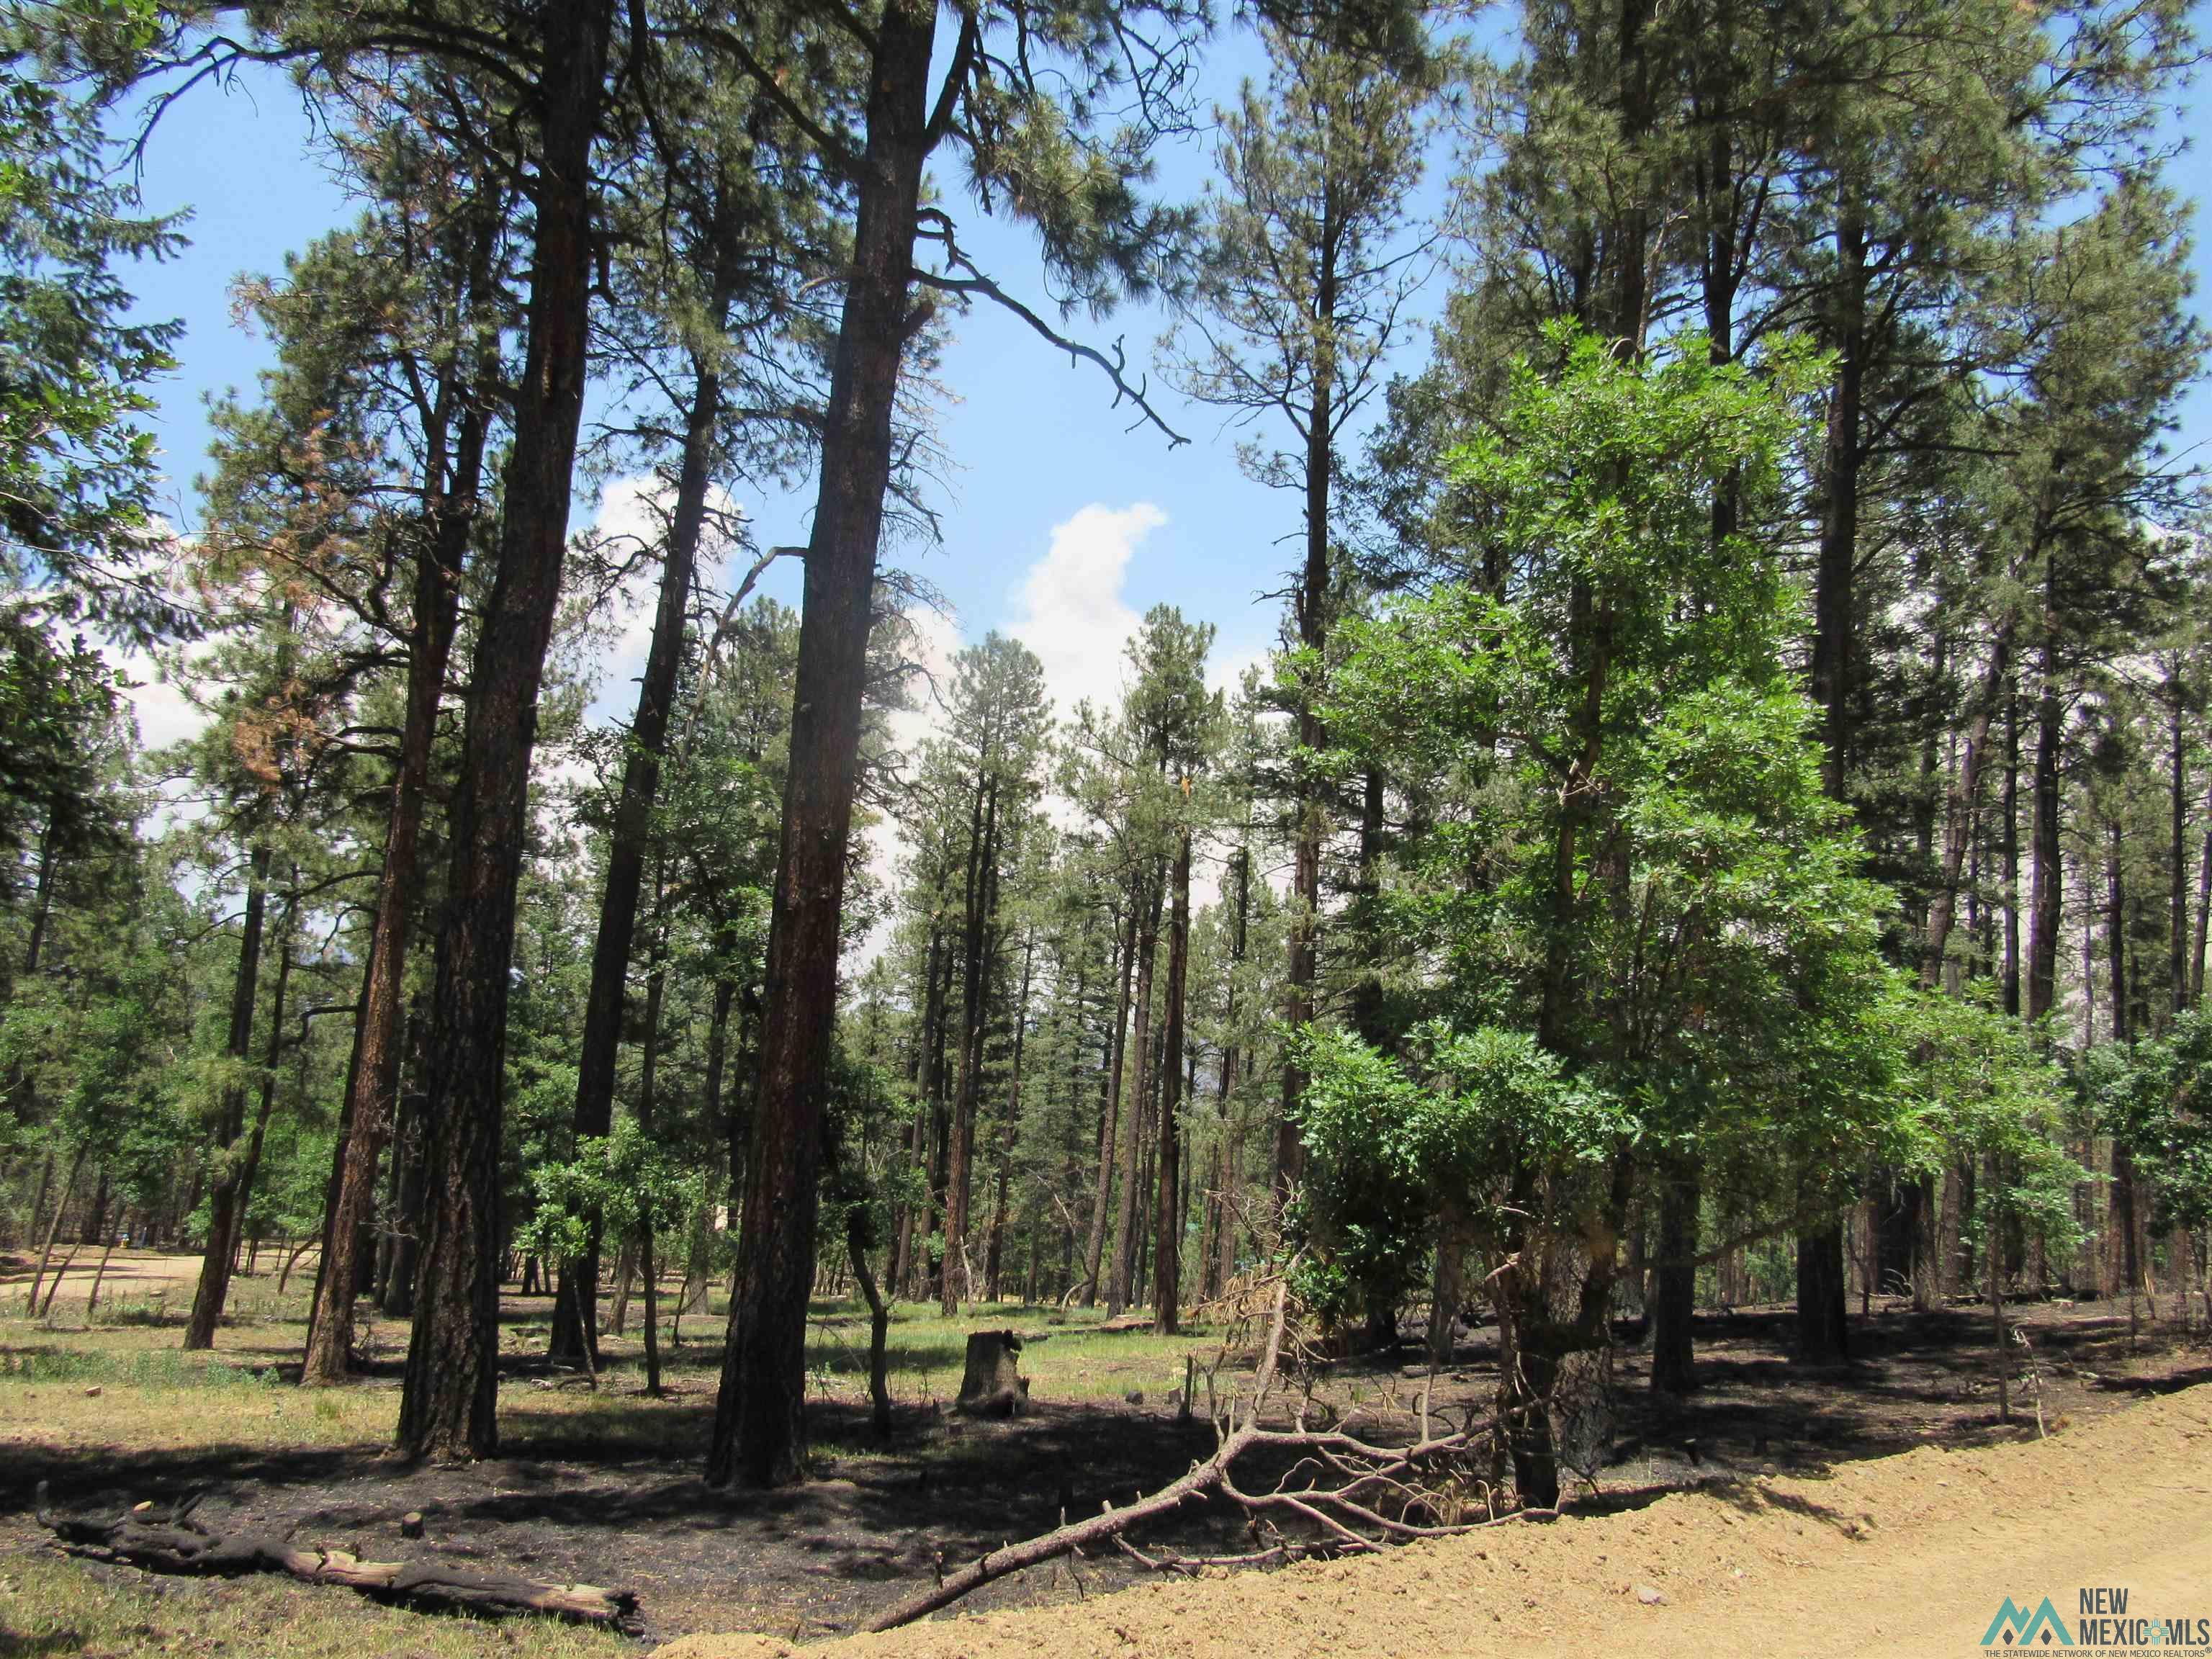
1965	797
223	1203
2011	837
1314	604
53	1231
1167	1249
879	1321
2043	849
1124	1237
2177	896
633	820
373	1069
1011	1129
1823	1330
448	1401
759	1435
980	906
2203	913
1109	1108
250	1166
1821	1290
1674	1279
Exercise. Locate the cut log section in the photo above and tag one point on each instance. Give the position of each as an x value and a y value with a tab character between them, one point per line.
175	1543
992	1385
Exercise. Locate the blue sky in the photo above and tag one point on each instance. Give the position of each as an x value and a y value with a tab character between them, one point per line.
1060	523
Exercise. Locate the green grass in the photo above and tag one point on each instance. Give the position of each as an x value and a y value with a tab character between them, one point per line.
52	1606
1066	1356
123	1386
151	1396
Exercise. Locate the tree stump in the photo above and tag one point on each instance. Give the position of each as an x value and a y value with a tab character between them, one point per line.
992	1385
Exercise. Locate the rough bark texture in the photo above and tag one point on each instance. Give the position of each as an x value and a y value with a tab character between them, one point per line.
759	1435
991	1382
448	1404
1823	1334
373	1072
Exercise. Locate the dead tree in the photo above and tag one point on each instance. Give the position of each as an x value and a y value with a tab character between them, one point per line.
175	1543
1342	1493
991	1384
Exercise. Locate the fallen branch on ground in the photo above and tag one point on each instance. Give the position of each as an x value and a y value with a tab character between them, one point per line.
175	1543
1376	1491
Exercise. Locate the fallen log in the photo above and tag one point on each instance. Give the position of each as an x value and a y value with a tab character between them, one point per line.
1377	1491
175	1543
1070	1538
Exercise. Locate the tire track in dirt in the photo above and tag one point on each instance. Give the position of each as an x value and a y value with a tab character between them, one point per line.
1901	1556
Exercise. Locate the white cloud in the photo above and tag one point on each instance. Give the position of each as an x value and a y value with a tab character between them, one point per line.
632	514
164	714
936	641
1069	608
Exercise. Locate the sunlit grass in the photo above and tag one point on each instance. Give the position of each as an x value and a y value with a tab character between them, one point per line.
1066	1356
52	1606
123	1382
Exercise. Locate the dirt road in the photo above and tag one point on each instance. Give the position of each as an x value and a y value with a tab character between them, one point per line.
1903	1556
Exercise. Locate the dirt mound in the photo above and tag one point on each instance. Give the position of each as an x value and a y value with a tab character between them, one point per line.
1907	1555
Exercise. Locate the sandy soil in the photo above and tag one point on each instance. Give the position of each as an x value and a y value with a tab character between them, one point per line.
1905	1555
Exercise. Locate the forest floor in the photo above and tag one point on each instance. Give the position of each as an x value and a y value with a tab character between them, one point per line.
602	1485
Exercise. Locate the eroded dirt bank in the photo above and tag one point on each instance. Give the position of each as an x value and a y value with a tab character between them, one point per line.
1907	1555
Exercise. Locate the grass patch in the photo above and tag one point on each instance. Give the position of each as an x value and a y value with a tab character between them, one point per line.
49	1605
1066	1356
141	1368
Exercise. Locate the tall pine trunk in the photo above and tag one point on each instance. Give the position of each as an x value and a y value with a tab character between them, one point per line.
1822	1332
1133	1166
1008	1131
1313	600
760	1432
980	905
1167	1247
2044	850
448	1401
2177	895
373	1069
2011	839
1109	1108
578	1323
249	1169
222	1204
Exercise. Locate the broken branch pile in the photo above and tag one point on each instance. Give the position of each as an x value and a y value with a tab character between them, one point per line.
1343	1493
